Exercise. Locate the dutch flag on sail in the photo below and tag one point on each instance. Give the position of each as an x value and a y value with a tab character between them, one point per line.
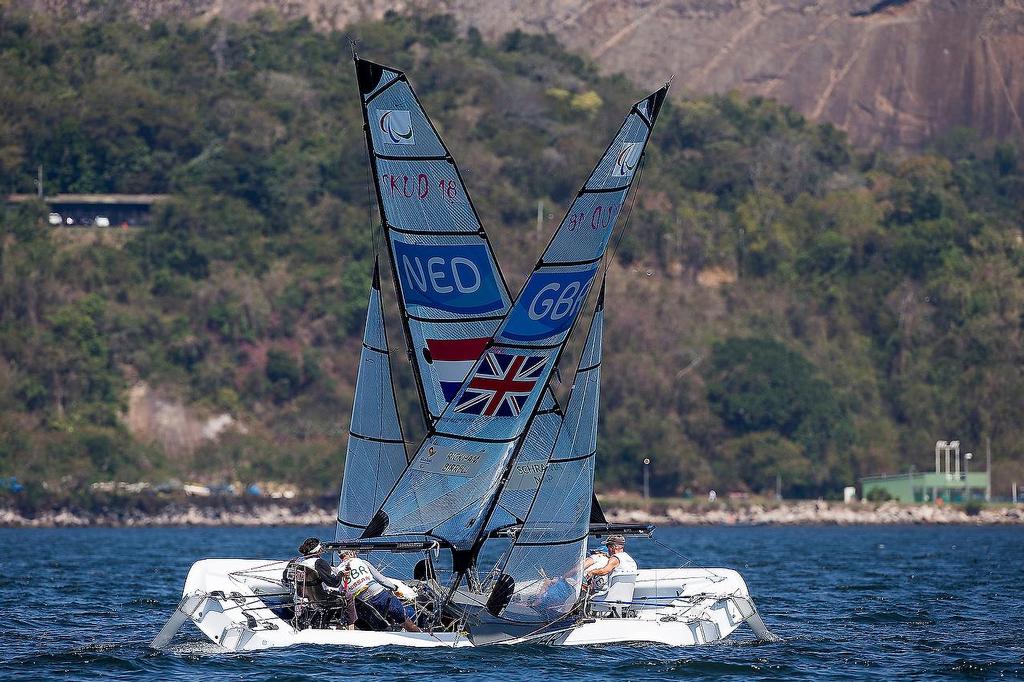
452	360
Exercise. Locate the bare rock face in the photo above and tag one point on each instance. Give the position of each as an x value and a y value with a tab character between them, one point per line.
889	72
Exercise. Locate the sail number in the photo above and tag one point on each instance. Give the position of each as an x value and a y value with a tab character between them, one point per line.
418	186
598	219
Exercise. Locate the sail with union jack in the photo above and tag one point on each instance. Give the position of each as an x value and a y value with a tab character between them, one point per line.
489	425
501	385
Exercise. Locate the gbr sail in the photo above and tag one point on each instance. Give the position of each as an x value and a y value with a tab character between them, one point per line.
376	455
451	486
540	579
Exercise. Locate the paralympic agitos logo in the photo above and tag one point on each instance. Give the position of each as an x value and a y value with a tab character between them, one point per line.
396	124
625	162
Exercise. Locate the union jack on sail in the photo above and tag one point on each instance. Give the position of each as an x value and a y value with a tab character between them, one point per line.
502	385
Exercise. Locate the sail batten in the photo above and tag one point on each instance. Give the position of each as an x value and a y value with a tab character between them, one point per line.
462	480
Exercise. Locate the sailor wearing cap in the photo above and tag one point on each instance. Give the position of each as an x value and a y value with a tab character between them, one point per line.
619	563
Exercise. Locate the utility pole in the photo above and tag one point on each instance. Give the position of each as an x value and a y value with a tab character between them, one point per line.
540	216
39	181
778	486
647	478
988	469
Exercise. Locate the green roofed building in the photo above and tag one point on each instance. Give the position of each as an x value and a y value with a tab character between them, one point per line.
951	482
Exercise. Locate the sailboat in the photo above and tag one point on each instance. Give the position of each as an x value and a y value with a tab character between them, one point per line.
487	523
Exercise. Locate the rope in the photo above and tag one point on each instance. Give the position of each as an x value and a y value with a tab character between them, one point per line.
687	561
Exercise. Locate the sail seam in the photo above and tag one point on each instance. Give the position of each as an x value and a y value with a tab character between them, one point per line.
401	77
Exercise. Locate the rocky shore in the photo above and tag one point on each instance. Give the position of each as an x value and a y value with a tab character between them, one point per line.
309	514
819	513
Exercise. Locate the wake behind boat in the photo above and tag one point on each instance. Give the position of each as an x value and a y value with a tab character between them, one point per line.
487	524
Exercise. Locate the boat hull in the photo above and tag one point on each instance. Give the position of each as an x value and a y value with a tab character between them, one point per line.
236	604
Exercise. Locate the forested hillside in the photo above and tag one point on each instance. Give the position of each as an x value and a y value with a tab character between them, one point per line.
780	304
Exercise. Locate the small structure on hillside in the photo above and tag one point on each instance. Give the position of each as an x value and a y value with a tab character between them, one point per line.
951	482
95	210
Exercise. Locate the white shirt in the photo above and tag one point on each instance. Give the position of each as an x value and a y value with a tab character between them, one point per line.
365	581
627	566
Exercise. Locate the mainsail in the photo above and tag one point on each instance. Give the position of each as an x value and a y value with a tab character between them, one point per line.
376	453
542	571
451	293
450	488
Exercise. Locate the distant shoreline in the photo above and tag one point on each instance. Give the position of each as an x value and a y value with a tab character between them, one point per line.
212	513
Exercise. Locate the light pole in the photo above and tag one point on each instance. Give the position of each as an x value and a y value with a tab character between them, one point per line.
647	477
967	468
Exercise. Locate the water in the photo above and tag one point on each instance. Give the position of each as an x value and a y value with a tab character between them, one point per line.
850	603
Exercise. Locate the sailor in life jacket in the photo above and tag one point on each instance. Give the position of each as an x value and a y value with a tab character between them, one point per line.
618	563
364	582
319	602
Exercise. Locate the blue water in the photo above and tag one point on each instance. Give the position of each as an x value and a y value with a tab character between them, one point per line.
850	603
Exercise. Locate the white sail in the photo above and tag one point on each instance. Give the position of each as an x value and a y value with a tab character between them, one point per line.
376	455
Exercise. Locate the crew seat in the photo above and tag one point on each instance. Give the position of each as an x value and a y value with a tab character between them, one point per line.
617	601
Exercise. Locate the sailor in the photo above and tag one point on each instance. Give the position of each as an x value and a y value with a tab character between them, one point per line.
370	586
318	585
619	563
597	559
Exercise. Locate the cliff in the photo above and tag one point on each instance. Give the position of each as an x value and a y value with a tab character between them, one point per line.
889	72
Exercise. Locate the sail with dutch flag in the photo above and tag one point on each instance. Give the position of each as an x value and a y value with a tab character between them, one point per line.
450	289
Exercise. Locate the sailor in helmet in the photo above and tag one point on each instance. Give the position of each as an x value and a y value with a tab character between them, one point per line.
618	563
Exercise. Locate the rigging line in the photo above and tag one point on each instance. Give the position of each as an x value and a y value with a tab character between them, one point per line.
688	560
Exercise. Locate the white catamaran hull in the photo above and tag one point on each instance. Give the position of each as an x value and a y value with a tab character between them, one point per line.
235	602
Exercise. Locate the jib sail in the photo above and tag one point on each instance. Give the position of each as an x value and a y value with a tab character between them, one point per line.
449	490
376	454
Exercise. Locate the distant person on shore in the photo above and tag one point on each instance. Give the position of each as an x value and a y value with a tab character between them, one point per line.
361	580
